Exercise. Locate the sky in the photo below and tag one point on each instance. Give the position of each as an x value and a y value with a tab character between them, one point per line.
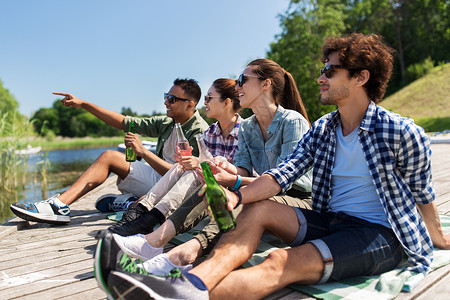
118	53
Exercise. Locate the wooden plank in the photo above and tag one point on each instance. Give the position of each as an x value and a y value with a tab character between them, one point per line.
55	267
33	279
70	290
438	290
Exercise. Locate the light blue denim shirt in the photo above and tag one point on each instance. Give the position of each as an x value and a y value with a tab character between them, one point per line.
286	129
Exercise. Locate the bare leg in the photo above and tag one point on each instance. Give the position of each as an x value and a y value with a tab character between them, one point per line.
303	264
235	247
185	253
162	235
109	161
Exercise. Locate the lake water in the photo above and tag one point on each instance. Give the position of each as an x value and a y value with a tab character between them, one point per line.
65	167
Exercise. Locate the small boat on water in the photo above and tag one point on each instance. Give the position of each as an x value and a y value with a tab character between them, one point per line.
28	150
149	145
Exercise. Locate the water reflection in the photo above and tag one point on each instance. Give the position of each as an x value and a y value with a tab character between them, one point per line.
65	167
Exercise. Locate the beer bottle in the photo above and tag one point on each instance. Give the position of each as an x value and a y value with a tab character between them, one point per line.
217	201
182	142
129	153
204	153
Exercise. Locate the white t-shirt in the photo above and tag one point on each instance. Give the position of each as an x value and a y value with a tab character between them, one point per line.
353	190
170	146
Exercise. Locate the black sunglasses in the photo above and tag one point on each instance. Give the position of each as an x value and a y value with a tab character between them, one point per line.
329	70
172	99
208	98
241	80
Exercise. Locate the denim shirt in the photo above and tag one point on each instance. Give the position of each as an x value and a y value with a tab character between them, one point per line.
284	132
398	155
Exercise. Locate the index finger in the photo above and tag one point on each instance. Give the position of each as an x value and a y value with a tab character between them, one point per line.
62	94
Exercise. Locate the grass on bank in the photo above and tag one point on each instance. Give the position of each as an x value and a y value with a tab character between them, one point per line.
78	143
426	100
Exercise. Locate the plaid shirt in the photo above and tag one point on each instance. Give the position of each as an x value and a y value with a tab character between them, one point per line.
398	156
219	146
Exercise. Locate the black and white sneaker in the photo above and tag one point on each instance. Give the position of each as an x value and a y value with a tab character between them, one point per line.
144	225
175	285
44	211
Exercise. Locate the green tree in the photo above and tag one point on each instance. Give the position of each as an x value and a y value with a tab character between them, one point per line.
415	29
46	119
297	48
7	101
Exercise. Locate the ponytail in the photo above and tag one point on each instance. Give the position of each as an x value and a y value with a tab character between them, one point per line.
291	97
284	89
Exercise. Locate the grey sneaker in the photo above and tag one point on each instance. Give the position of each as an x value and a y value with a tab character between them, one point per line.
175	285
108	256
44	211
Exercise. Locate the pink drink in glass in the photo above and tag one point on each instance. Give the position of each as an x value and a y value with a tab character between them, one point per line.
185	149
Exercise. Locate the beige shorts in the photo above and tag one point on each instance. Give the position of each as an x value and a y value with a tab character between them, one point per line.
140	180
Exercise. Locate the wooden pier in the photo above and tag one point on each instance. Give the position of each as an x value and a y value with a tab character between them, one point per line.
41	261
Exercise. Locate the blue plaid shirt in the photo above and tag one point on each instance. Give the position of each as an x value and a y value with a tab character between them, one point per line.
398	156
220	146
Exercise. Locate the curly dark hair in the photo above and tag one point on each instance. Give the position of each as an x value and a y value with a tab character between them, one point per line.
358	52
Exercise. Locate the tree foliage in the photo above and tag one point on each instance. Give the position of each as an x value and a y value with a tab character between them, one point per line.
70	122
415	29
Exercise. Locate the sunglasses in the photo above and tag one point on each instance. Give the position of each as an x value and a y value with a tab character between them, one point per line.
172	99
329	70
242	79
208	98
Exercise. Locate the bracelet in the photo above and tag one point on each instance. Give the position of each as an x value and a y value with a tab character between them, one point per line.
237	192
238	182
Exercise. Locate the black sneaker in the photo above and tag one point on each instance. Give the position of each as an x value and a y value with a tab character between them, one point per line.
143	225
132	213
109	256
175	285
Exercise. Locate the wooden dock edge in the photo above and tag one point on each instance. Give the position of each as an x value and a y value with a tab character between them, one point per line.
17	223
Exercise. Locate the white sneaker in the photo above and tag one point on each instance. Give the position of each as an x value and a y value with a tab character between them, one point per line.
136	246
44	211
161	265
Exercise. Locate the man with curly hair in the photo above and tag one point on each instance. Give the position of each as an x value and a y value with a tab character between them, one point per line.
371	178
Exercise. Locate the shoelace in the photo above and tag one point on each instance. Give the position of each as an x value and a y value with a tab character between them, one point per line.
174	273
119	206
129	265
49	200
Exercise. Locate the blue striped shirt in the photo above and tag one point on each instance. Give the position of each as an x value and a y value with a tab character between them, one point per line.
398	155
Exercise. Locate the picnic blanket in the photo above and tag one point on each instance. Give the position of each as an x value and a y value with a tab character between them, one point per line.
385	286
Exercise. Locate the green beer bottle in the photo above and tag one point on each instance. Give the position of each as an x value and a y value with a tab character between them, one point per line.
217	201
129	153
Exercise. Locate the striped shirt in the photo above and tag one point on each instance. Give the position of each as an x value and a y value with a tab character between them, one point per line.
220	146
398	155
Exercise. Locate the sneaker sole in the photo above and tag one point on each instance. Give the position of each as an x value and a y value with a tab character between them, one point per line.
98	271
34	217
124	286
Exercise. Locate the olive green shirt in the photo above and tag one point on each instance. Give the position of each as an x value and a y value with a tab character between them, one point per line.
162	126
